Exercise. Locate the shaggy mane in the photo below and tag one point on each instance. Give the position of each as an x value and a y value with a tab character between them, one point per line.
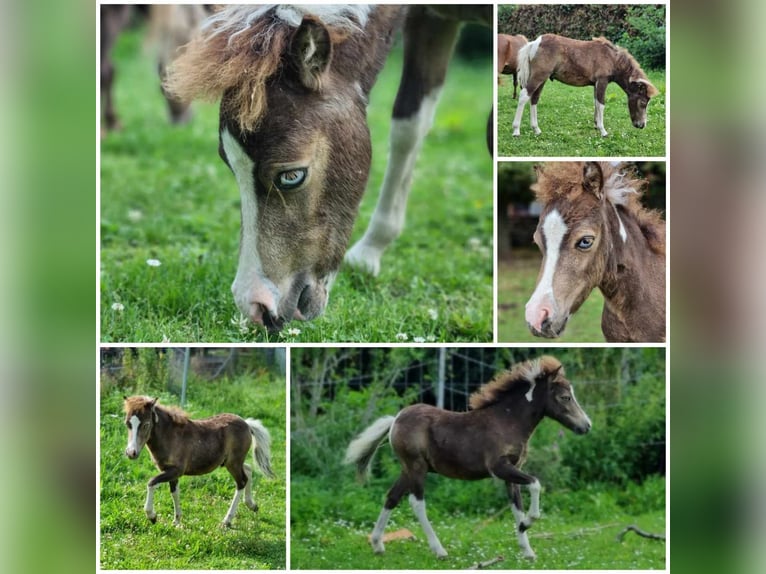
525	373
625	61
239	48
138	403
622	186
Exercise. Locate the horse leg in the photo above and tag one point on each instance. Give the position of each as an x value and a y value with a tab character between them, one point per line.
522	521
599	92
513	477
176	502
400	487
533	108
523	99
168	475
515	83
418	504
251	504
427	51
240	478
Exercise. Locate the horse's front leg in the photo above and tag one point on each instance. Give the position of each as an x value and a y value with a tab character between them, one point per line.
599	94
427	50
168	475
514	477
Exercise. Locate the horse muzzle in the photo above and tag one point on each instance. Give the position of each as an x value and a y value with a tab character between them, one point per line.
131	453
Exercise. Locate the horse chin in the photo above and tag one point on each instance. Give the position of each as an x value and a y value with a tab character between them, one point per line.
548	329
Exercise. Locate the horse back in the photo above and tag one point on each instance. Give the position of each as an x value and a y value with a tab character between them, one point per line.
573	62
215	441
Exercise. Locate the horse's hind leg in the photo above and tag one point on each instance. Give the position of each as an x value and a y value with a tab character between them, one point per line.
251	504
418	503
176	501
427	50
240	477
533	108
399	489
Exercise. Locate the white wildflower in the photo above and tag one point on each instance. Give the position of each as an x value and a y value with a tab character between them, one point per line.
242	323
153	262
401	336
118	307
135	215
434	314
418	340
293	332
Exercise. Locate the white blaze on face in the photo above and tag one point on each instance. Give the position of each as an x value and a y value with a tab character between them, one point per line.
132	448
587	418
553	230
250	284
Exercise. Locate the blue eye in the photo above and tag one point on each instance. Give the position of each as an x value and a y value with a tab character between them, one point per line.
585	243
290	179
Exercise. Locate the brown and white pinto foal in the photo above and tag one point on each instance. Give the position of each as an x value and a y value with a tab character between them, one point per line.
581	63
594	233
490	440
182	446
294	83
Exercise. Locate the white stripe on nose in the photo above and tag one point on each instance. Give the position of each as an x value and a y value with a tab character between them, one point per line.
132	448
553	231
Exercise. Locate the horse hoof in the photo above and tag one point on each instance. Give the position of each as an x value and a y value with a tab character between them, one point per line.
152	519
530	555
441	555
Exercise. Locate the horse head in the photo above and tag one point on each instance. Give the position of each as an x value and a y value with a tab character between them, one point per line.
140	417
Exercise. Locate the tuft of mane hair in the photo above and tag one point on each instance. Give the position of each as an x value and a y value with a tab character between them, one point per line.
622	186
626	62
240	47
526	372
137	403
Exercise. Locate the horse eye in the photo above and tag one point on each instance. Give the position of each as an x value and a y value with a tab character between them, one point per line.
567	398
290	179
585	243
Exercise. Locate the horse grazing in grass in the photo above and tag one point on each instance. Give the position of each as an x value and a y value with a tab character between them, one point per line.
294	82
170	26
508	48
593	232
182	446
581	63
490	440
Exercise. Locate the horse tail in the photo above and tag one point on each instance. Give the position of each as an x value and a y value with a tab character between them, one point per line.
362	449
261	447
526	53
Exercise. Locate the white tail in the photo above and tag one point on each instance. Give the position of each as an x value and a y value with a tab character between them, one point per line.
525	57
261	447
362	449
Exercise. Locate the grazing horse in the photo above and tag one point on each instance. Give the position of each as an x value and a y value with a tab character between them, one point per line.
182	446
490	440
293	83
593	232
581	63
508	48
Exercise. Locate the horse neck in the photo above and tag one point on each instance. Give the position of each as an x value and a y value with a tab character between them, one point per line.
631	268
160	437
524	414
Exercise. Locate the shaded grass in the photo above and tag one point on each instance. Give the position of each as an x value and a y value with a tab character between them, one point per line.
255	541
565	116
166	195
515	285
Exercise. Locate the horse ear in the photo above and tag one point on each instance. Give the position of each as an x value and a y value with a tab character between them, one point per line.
311	52
593	179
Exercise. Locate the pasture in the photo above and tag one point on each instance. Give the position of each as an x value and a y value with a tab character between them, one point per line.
593	485
565	115
255	540
169	224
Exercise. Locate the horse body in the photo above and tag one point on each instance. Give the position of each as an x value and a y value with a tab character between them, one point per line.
488	441
294	82
593	233
581	63
508	48
181	446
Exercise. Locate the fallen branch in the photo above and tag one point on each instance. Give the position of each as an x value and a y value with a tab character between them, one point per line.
640	532
573	533
480	565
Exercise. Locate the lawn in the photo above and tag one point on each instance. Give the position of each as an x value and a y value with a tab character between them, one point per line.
577	530
515	285
255	540
565	116
166	197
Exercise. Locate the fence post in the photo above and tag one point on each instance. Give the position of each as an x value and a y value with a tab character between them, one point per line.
440	378
187	355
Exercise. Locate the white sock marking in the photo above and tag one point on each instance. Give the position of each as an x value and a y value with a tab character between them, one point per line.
233	508
176	506
376	539
149	504
419	507
523	99
534	501
387	220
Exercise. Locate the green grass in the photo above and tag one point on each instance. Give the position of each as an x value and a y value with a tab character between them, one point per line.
255	541
515	285
166	195
577	529
565	116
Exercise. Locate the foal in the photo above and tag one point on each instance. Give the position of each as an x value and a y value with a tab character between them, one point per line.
181	446
490	440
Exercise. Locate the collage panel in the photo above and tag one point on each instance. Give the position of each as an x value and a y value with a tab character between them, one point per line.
584	80
458	458
264	215
581	252
192	458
